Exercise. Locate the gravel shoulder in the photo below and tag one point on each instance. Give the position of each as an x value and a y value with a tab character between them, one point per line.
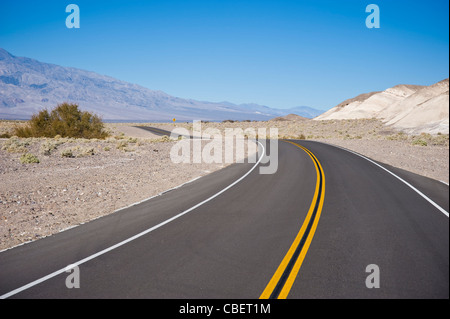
99	177
78	180
430	161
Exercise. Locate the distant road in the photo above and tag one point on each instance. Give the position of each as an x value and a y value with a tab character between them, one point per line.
158	131
307	231
155	130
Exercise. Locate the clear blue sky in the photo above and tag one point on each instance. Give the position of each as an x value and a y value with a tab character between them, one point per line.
276	53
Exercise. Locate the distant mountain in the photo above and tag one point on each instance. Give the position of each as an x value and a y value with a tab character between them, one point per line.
27	86
304	111
410	108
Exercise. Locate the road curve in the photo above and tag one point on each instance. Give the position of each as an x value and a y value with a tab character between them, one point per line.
232	245
371	217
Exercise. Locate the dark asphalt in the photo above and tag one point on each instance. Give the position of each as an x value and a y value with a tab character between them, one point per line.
231	246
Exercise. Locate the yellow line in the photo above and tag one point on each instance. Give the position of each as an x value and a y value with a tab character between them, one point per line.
284	263
157	129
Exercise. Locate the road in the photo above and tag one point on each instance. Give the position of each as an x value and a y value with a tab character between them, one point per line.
308	231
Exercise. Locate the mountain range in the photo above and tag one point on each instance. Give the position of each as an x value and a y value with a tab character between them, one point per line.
409	108
27	86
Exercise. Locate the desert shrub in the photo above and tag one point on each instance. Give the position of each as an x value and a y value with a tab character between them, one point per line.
122	145
86	152
28	158
420	142
47	148
67	153
163	138
440	139
49	145
66	120
16	145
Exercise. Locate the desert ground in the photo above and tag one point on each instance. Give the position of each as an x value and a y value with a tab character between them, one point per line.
72	181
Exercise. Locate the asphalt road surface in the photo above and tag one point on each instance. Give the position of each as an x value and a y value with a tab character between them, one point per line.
327	224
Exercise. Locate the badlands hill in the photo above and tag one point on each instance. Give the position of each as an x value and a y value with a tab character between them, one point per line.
409	108
290	117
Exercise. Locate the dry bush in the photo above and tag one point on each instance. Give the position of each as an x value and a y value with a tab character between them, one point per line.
28	158
66	120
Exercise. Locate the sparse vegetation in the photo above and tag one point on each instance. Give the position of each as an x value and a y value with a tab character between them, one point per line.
163	138
440	139
50	145
66	120
425	139
16	145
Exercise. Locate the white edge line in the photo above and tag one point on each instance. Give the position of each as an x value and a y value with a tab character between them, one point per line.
115	211
53	274
443	211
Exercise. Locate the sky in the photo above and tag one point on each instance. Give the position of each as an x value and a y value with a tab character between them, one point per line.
276	53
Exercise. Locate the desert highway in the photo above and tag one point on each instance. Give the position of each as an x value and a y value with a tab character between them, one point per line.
327	224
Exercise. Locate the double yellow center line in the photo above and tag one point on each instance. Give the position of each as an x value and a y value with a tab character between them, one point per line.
284	277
